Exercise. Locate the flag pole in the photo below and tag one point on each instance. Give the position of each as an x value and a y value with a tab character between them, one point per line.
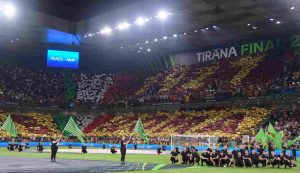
130	137
64	129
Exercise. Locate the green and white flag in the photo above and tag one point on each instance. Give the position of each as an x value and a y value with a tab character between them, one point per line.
139	129
272	133
72	128
278	140
9	126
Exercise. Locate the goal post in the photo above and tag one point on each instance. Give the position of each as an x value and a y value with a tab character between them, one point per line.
198	141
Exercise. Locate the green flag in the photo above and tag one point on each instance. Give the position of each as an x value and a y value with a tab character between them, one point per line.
9	126
290	142
139	129
278	140
262	137
272	131
259	135
72	128
297	139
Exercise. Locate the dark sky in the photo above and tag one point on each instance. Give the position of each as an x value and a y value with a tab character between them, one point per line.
74	10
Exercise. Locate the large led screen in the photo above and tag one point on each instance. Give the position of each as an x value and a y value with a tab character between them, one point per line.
62	59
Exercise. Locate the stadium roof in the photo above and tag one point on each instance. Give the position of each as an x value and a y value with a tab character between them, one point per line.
192	24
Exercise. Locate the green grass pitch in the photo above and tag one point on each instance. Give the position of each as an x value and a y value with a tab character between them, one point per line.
143	158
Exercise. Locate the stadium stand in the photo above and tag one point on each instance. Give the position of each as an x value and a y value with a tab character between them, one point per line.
230	123
33	124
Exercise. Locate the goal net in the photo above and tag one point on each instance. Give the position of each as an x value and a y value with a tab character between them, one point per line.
201	142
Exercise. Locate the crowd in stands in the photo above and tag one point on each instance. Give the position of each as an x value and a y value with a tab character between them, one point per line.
91	88
288	121
24	86
248	76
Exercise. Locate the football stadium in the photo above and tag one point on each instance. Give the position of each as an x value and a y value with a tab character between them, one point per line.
154	86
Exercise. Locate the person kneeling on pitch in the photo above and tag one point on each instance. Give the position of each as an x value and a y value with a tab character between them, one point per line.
247	159
214	158
113	150
287	161
263	159
254	158
275	160
195	157
83	148
174	155
229	158
239	162
205	158
222	159
184	156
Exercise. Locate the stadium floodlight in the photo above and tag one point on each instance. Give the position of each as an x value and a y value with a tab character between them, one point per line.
271	19
148	50
196	30
90	35
140	48
9	10
122	26
278	22
106	30
140	21
248	24
184	33
146	42
207	28
165	37
155	39
163	15
292	8
175	35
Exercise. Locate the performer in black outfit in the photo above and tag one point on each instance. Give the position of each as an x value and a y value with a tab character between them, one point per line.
123	150
83	148
287	160
263	159
205	157
224	150
214	158
254	158
54	149
135	146
184	156
235	152
294	150
239	160
261	150
40	147
222	159
174	155
242	150
229	159
195	157
113	150
275	160
247	159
